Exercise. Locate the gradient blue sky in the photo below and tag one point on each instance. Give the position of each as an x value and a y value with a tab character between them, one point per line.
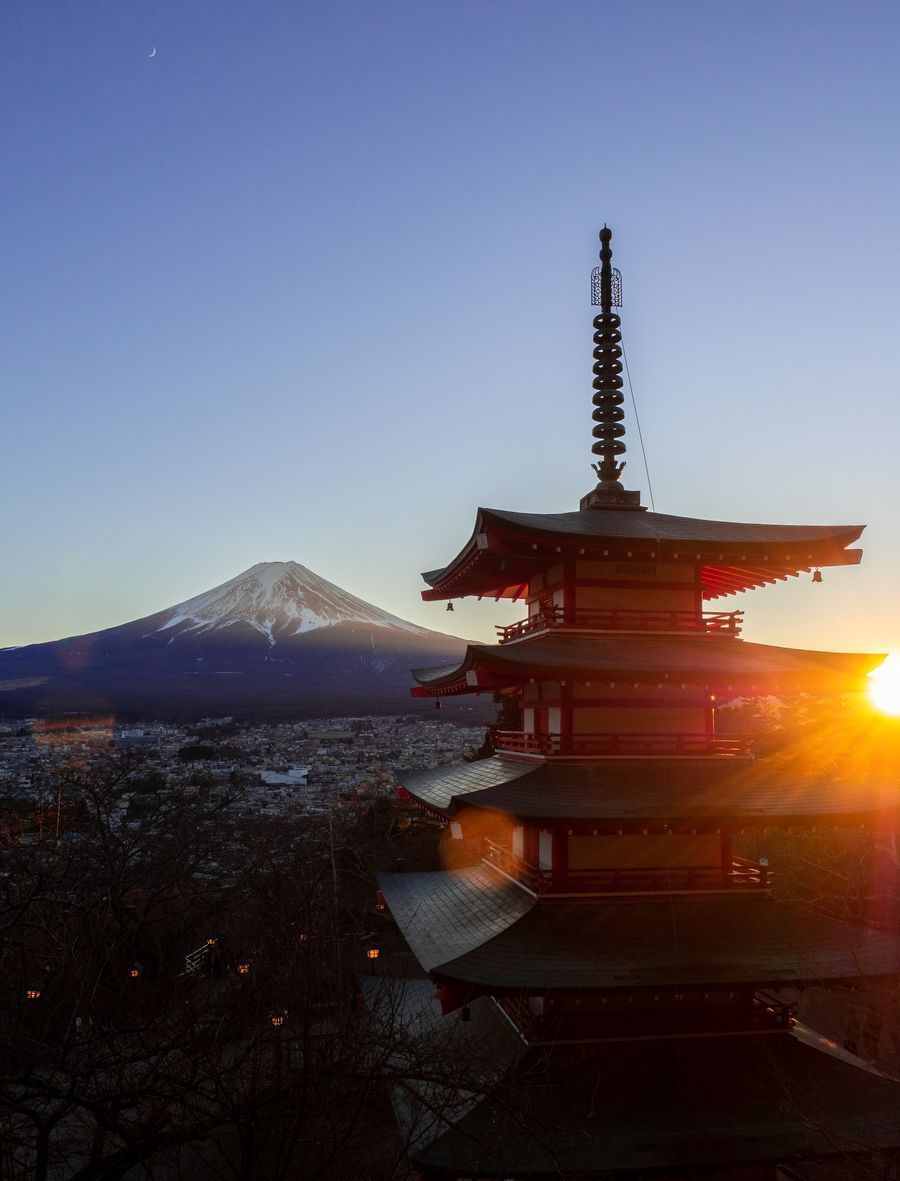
312	283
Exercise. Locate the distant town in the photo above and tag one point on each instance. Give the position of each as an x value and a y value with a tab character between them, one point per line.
278	767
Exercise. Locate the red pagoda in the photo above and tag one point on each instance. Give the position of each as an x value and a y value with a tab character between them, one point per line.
611	963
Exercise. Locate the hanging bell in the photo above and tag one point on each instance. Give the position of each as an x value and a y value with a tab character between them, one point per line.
449	606
817	576
439	704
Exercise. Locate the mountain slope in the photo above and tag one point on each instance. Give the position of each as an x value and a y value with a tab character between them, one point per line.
279	599
277	640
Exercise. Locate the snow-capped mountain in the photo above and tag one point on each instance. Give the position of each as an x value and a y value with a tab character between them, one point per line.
276	641
278	599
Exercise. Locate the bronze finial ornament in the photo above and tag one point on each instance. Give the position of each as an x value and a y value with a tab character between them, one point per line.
609	431
608	413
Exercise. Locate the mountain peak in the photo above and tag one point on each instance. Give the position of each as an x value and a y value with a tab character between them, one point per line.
276	641
278	599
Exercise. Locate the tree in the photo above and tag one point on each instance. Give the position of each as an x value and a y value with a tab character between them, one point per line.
180	988
508	718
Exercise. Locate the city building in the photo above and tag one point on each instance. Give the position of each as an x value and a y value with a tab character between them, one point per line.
620	977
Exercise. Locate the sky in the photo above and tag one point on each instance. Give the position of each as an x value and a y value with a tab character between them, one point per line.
311	283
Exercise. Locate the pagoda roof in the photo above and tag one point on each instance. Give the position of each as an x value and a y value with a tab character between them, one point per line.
505	549
716	661
777	788
476	926
627	1108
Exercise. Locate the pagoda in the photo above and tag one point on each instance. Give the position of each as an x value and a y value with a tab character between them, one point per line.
623	976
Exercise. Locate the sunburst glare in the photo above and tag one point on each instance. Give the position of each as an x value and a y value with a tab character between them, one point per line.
884	686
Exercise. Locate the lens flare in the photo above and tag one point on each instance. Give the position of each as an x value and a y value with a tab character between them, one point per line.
884	687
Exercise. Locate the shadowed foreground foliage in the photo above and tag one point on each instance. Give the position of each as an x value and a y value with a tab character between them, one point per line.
259	1062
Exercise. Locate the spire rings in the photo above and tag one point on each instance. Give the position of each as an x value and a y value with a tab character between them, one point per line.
608	414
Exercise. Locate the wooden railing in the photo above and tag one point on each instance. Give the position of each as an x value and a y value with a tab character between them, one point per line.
194	961
613	745
608	619
742	875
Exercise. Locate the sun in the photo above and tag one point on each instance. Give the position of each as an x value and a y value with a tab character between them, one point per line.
884	686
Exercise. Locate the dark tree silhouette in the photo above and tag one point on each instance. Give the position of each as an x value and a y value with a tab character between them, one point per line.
180	987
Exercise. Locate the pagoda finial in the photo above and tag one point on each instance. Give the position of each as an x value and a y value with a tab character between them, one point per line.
606	290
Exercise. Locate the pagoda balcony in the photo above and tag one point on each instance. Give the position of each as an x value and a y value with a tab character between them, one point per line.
725	623
740	875
544	746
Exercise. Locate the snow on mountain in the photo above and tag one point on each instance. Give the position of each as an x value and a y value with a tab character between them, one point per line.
278	599
276	642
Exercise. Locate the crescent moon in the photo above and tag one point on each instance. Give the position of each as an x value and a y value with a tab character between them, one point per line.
152	52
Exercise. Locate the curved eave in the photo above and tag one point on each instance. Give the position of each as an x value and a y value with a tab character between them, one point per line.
723	664
476	928
713	1106
505	548
632	795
